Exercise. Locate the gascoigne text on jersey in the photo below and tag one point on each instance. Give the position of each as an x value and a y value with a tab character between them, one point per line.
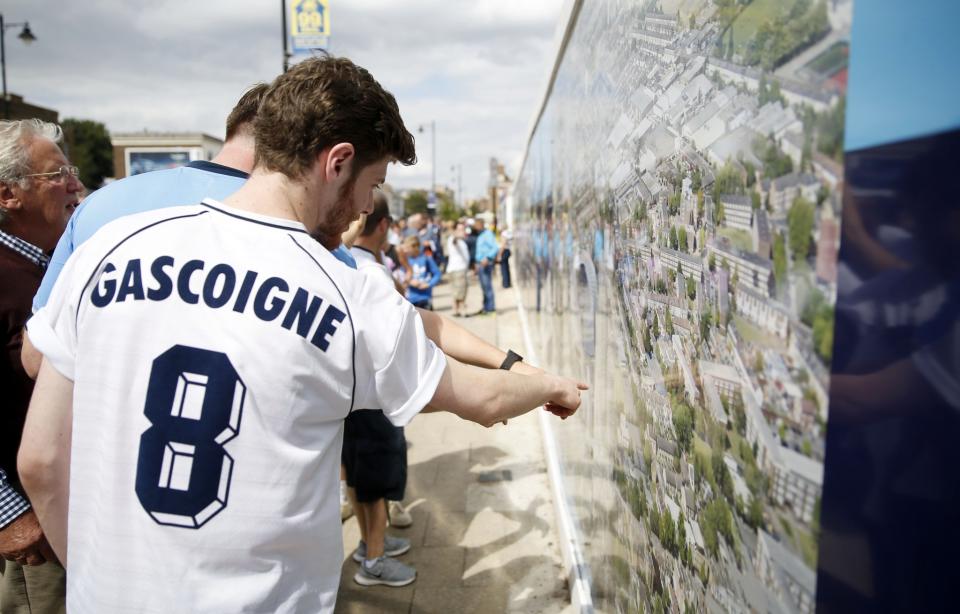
216	287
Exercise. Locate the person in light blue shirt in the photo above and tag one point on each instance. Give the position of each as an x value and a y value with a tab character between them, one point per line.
486	255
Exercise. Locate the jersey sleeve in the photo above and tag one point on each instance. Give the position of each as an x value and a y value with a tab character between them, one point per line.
398	367
59	259
53	329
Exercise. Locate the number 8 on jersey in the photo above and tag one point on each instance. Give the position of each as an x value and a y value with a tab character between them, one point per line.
194	402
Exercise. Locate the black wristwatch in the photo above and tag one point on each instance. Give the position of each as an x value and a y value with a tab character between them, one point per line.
511	358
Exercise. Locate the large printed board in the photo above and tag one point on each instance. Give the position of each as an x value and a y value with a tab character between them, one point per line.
678	219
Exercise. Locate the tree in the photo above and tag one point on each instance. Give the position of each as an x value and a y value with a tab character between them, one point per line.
800	220
656	328
755	199
691	287
683	425
415	202
712	261
780	260
86	144
673	237
682	239
447	209
668	321
823	334
705	322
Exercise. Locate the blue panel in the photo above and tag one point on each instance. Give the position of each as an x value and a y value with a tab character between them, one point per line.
903	71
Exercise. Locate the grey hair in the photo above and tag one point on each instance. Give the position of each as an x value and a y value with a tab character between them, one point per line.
15	138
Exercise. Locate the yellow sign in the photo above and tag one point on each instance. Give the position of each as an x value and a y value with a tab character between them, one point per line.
309	23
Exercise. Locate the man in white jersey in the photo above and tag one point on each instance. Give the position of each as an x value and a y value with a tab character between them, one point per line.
210	354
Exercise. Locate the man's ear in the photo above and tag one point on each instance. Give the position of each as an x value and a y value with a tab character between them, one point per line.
8	200
339	161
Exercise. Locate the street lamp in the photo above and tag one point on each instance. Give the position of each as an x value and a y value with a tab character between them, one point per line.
27	37
433	156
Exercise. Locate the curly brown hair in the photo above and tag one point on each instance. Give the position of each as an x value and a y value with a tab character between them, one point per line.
321	102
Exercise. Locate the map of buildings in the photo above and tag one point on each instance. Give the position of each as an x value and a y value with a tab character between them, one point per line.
679	209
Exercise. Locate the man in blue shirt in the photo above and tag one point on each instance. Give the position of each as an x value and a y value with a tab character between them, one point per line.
487	250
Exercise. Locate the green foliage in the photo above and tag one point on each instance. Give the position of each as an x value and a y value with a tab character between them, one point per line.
415	202
775	162
700	203
447	209
717	521
682	239
673	203
815	303
780	260
668	321
829	129
769	91
755	199
674	242
800	221
712	261
86	144
722	475
668	533
779	39
706	320
656	326
683	425
823	334
647	344
691	287
729	180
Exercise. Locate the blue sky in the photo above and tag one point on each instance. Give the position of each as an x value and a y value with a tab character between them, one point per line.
476	68
904	72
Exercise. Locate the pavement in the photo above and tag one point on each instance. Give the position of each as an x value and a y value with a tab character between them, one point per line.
484	530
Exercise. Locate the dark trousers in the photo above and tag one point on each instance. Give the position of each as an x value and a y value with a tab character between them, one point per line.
505	268
485	274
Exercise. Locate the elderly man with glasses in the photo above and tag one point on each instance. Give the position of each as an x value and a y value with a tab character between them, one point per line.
39	190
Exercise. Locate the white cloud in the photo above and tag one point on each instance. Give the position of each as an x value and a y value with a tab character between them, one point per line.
476	68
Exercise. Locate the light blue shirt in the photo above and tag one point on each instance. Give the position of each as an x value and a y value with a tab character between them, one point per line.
187	185
487	247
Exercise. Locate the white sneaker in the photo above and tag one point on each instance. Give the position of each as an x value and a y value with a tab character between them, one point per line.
346	510
385	571
398	515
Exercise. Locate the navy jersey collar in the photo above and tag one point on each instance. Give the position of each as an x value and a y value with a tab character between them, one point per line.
213	167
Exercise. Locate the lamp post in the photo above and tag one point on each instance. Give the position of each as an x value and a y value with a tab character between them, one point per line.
283	22
433	155
27	37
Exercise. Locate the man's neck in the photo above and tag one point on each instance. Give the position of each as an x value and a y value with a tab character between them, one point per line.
274	194
41	239
371	244
237	153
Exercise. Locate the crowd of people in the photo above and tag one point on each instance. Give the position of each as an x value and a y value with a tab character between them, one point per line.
192	354
420	252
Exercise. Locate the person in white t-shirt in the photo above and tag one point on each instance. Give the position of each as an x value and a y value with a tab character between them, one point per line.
199	362
458	263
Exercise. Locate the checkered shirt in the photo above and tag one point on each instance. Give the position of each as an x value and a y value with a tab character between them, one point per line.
28	250
12	504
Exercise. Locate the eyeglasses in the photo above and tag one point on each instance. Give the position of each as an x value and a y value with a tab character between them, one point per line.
64	172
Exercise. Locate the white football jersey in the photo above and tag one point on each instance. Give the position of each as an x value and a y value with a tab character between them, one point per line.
214	355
